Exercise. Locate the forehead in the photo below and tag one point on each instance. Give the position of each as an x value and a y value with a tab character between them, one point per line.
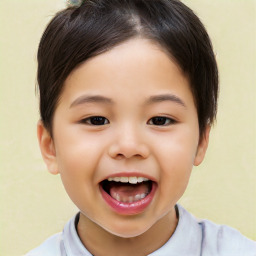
136	67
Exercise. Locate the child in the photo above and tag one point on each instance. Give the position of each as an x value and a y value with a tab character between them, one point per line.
128	94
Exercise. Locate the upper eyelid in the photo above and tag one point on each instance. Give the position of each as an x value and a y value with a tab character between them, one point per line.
164	116
172	120
83	120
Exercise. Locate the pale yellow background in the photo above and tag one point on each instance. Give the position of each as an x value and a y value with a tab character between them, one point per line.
34	204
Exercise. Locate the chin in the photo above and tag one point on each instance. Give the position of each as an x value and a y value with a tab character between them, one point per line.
127	231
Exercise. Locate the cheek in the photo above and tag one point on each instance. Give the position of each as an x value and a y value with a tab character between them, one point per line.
176	169
78	158
178	149
176	157
78	151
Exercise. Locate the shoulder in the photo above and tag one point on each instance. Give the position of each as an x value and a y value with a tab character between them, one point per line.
225	240
209	238
50	247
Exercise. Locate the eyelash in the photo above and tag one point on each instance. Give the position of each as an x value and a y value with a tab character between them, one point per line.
164	121
100	121
95	121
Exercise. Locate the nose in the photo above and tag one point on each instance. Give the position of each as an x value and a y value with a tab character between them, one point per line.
128	143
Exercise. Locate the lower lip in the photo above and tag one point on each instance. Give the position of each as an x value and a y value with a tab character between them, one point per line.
129	208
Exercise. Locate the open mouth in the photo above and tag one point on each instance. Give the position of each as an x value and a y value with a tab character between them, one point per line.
127	189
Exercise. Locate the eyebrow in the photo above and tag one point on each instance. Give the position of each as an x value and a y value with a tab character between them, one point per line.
101	99
166	97
90	99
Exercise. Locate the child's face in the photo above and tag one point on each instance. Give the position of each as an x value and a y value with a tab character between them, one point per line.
146	126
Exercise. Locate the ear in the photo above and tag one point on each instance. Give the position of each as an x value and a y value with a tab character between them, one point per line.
47	148
202	146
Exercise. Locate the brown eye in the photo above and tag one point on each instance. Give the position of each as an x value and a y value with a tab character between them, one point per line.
161	121
95	120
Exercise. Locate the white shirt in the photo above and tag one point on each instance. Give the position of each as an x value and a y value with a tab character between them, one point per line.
192	237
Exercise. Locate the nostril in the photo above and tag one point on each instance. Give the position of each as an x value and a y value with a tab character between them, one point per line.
122	156
128	151
119	156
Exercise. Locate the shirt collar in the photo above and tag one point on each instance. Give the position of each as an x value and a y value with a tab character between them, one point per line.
72	242
186	240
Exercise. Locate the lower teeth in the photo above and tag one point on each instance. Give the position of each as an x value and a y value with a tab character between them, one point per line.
130	199
127	191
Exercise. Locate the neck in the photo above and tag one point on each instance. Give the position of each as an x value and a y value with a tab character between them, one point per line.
94	237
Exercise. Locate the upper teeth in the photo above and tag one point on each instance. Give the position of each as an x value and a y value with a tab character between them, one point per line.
132	180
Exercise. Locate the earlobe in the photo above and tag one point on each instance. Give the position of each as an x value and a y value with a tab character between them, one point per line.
202	147
47	148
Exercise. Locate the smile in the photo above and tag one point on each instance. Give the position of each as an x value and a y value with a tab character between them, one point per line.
128	195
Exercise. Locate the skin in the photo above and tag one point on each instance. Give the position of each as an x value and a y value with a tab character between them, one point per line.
131	76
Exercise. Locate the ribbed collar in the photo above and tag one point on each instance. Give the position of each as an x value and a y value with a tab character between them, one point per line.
186	240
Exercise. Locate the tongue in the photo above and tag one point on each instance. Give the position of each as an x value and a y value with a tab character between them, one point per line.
127	190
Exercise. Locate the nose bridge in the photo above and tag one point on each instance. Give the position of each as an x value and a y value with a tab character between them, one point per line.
129	141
